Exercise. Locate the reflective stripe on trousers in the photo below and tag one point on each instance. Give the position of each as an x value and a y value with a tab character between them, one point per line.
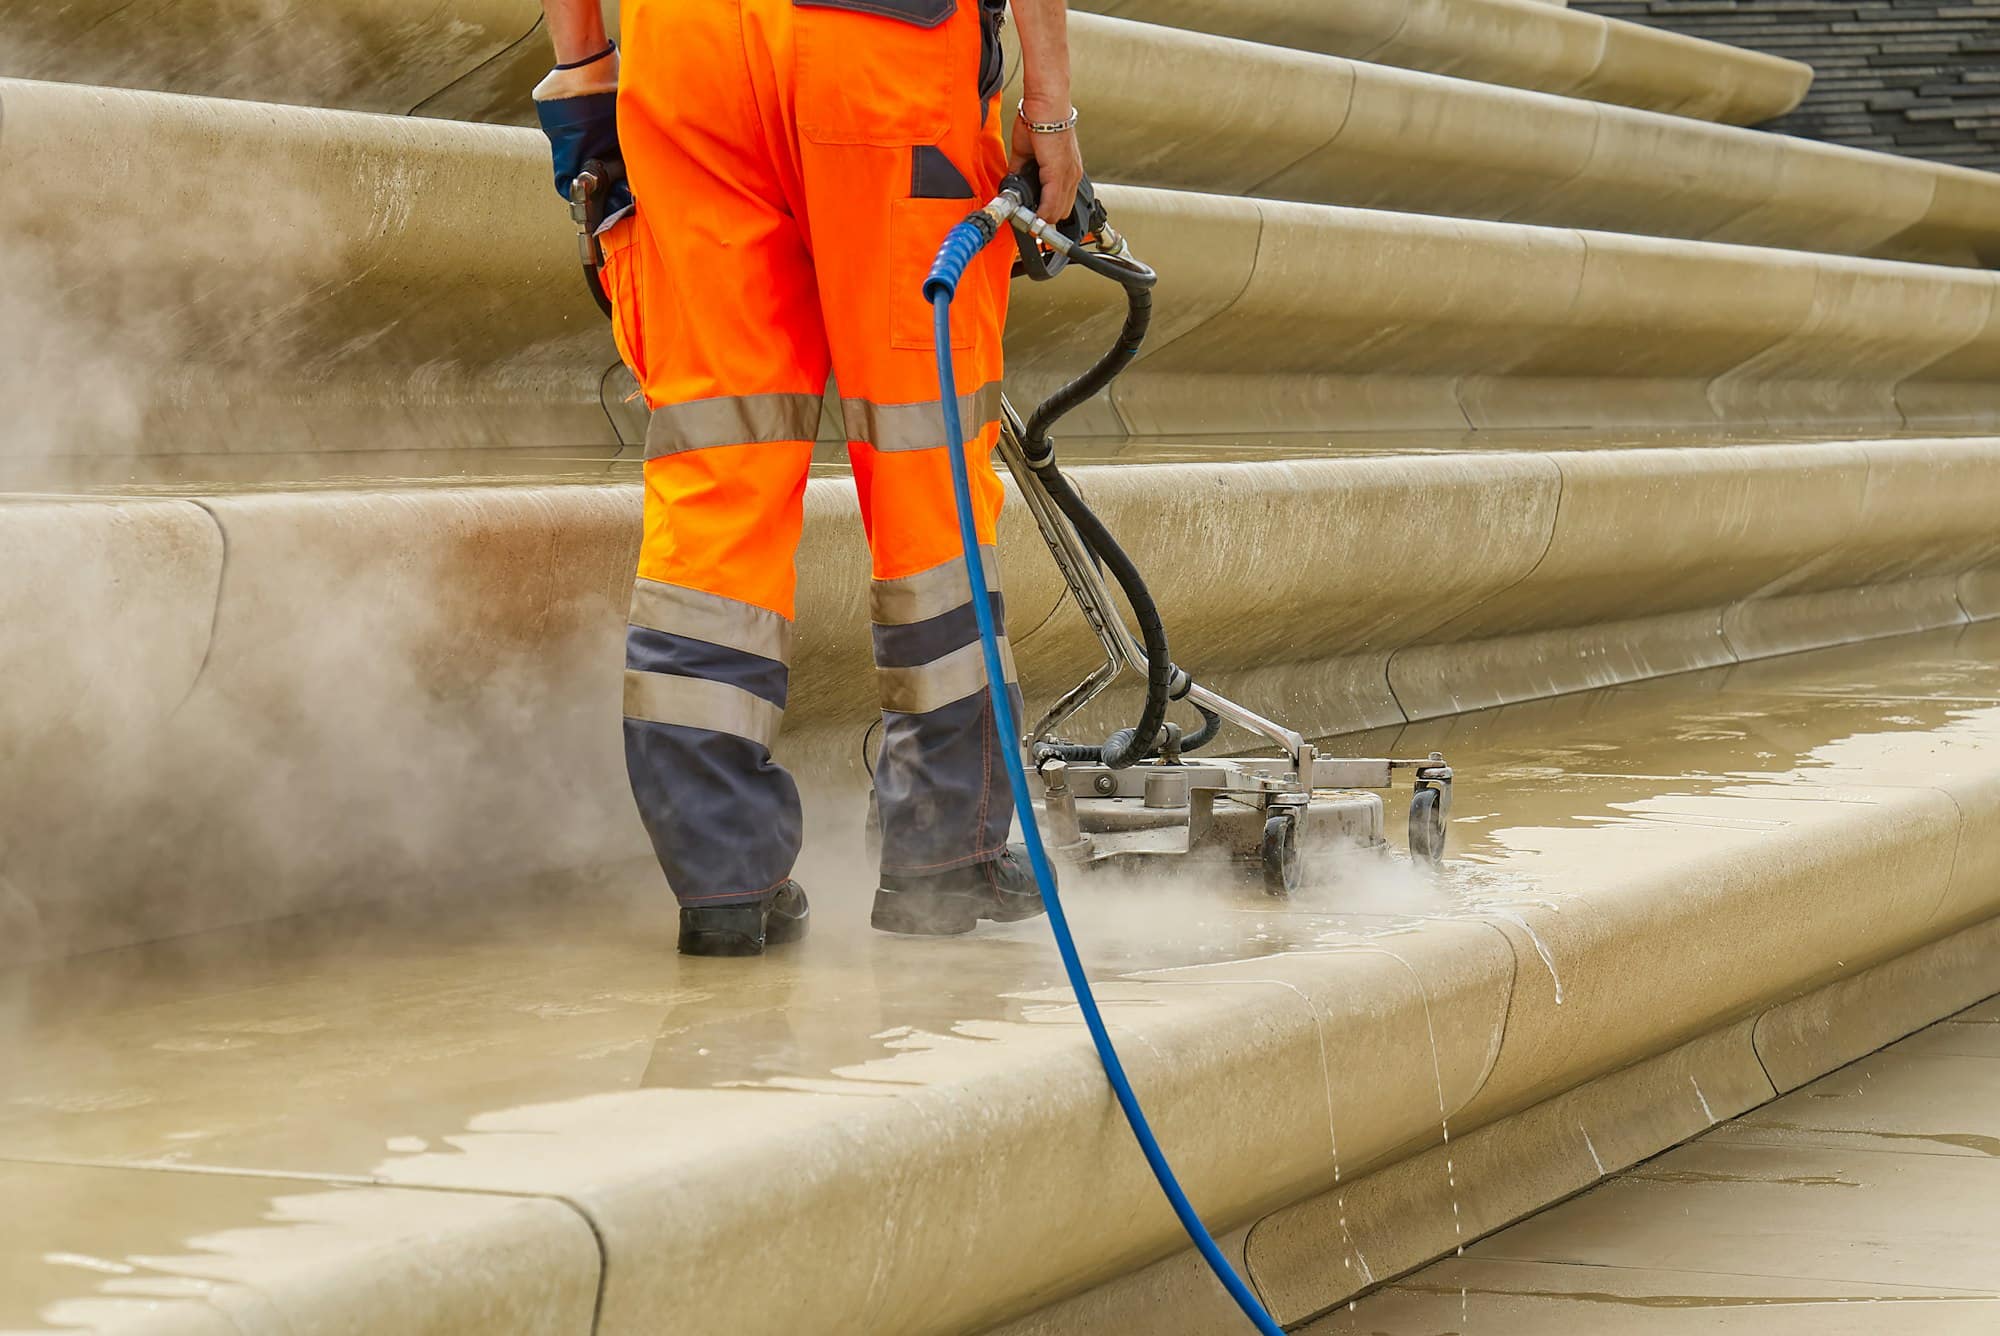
748	419
705	685
940	781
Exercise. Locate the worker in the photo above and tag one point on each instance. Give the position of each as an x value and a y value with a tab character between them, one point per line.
792	167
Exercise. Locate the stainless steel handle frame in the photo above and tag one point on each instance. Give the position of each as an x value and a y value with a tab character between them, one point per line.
1122	650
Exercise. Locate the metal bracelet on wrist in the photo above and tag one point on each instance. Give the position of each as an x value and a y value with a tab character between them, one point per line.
1046	127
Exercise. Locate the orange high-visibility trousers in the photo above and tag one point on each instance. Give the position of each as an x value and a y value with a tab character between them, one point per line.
796	164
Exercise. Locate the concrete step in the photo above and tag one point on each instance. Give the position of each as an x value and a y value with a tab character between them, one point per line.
476	61
1518	43
1251	119
229	707
362	55
1671	902
400	285
338	281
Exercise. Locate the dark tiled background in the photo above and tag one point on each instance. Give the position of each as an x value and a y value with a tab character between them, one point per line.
1898	75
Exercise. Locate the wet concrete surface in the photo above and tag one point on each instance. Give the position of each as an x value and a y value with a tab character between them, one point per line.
1866	1202
398	1046
135	1251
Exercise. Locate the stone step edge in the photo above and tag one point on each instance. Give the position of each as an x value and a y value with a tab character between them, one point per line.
1534	1160
1534	575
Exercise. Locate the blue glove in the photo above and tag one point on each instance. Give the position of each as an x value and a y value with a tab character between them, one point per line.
583	125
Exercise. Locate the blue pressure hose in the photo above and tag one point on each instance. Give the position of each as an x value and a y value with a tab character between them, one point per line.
960	245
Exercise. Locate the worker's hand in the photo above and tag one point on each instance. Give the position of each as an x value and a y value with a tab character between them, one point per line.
578	109
1058	161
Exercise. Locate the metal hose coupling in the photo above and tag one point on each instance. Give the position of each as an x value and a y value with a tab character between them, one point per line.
1040	229
967	238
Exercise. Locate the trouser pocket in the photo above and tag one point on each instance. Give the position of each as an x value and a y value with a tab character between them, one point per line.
917	228
878	71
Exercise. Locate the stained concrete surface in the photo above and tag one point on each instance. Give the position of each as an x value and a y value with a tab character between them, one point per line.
550	1044
1867	1202
456	628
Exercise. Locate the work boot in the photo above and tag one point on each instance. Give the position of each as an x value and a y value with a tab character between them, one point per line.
745	929
943	904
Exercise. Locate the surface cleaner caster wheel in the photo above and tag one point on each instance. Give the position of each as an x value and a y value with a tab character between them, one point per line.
1427	827
1282	870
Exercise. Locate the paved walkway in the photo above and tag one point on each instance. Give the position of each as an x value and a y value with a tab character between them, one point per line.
1867	1202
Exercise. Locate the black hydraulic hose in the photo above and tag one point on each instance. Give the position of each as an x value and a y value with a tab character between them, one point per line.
1127	746
1138	316
1085	754
1076	753
1211	724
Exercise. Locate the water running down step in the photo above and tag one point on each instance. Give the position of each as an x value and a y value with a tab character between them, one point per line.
1846	1208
